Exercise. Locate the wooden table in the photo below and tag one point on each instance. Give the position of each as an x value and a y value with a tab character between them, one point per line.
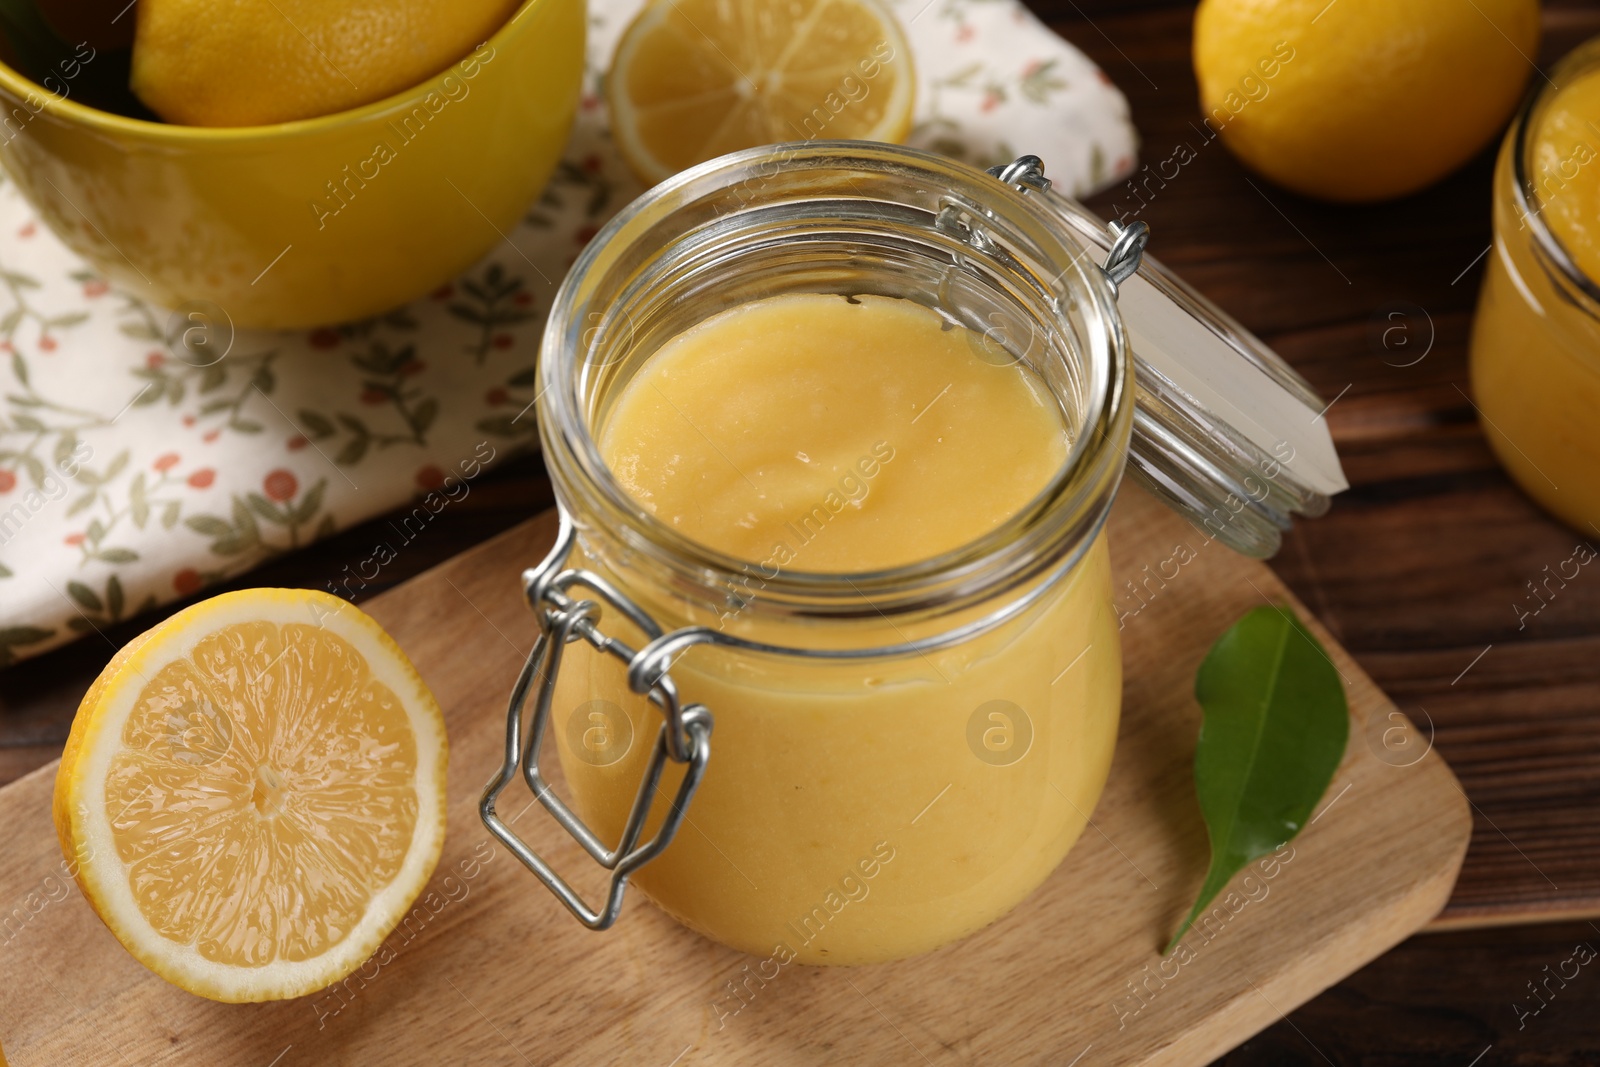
1416	569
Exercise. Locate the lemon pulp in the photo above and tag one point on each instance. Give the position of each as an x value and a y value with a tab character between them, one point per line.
694	79
232	799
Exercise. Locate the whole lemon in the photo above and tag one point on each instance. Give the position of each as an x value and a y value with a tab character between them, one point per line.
1359	100
251	62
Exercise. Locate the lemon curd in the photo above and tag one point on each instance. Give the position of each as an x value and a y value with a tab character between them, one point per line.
1536	339
852	810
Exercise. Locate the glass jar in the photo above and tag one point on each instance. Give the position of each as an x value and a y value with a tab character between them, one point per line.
1535	355
902	755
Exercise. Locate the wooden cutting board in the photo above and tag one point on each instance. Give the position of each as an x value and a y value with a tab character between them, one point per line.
491	970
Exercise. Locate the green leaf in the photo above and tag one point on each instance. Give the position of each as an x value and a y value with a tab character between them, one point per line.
19	367
31	464
245	523
213	377
963	76
85	596
138	504
117	555
228	546
469	313
352	452
208	526
423	416
6	572
170	513
1274	732
114	600
265	508
140	331
311	503
314	425
19	635
23	635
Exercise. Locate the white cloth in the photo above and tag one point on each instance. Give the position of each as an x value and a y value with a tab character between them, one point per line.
129	477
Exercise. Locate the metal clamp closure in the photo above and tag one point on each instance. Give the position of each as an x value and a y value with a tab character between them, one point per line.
684	737
1127	251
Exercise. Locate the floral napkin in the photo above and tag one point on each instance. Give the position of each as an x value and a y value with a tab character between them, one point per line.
132	473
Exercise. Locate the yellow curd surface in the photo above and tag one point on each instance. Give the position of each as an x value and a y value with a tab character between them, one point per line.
1536	341
862	810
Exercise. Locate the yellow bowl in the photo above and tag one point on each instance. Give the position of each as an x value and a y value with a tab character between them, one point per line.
314	221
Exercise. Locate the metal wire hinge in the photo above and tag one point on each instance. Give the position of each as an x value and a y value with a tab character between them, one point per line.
684	737
1127	246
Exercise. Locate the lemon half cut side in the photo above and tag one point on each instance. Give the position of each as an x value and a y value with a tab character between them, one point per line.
253	793
695	79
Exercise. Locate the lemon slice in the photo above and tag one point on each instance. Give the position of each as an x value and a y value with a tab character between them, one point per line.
254	793
694	79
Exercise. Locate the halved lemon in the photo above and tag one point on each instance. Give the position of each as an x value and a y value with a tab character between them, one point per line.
253	793
694	79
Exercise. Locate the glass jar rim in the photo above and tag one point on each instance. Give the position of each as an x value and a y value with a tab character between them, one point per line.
1530	208
1061	520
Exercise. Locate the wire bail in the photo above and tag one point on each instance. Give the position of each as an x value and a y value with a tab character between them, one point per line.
1127	252
684	737
1122	262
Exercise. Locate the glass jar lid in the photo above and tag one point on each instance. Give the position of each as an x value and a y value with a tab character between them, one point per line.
1225	432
